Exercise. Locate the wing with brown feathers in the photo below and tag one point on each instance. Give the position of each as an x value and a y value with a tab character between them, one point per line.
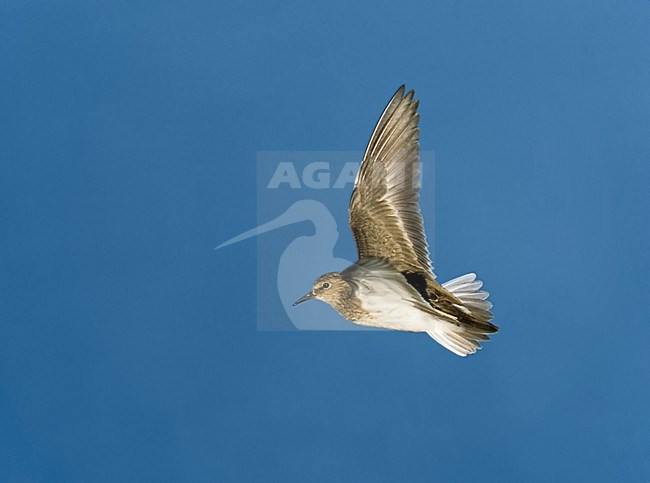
384	213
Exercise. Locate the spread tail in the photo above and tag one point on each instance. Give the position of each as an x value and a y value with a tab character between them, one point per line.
475	322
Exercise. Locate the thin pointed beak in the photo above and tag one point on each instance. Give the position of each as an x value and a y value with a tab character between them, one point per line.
304	298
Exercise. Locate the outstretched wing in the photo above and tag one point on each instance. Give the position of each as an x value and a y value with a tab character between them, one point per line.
384	214
386	221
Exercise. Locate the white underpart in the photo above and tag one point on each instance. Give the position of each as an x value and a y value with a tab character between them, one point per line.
391	301
393	304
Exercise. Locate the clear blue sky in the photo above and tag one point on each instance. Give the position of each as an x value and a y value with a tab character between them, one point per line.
128	139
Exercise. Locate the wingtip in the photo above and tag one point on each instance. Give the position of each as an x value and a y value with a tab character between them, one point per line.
399	93
409	96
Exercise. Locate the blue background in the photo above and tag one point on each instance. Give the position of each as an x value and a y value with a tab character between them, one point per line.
128	346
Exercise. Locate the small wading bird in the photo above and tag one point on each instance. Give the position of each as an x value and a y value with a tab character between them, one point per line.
392	285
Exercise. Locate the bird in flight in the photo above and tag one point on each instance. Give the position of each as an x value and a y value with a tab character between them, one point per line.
392	285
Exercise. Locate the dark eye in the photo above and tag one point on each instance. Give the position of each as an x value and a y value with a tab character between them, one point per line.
326	285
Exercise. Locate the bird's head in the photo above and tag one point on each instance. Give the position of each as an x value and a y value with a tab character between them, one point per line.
328	288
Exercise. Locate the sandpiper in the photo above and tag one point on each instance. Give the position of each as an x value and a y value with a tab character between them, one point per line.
392	285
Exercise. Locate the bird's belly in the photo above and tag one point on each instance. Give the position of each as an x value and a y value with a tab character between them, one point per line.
390	305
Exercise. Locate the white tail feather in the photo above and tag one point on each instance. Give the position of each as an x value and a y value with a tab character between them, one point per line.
466	289
456	342
463	340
